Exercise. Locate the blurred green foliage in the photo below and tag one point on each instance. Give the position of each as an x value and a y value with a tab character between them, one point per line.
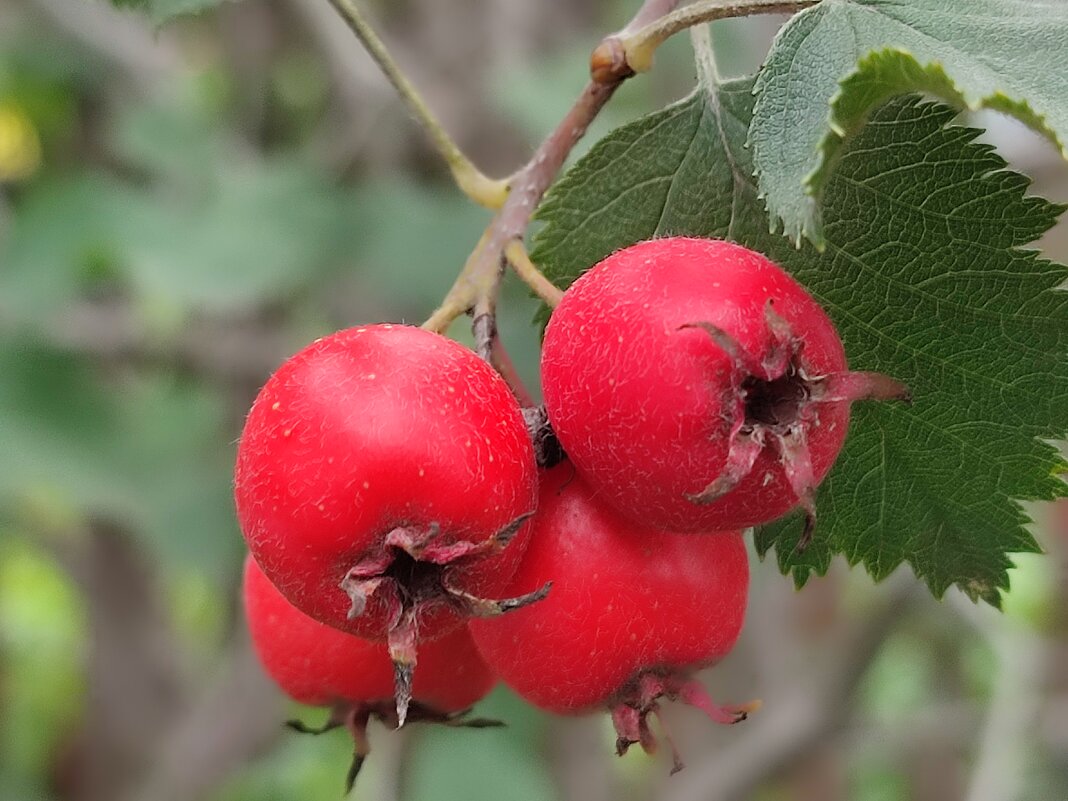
168	208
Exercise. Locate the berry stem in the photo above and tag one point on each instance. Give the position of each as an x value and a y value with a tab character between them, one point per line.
516	254
547	450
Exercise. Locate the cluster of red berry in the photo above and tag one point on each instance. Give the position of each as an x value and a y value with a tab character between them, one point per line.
390	494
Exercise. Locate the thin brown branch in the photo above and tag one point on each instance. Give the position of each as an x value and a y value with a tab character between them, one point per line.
472	182
482	273
610	65
638	46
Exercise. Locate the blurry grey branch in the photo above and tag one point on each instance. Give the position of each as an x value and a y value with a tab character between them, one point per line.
784	731
230	351
235	717
149	733
581	761
1007	739
134	663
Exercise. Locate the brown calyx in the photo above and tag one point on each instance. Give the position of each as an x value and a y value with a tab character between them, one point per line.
355	716
777	396
411	573
641	696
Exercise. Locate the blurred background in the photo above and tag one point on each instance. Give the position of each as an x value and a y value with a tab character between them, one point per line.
181	208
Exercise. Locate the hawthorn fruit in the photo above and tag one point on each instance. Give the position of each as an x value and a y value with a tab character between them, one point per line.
697	386
635	611
383	480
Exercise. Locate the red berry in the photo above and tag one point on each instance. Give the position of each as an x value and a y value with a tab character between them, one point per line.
634	612
320	666
379	476
698	386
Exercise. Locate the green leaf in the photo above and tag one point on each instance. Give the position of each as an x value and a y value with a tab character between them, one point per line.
924	276
1010	55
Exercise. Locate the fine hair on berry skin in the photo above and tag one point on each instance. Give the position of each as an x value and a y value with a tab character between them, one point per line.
383	482
317	665
697	386
634	612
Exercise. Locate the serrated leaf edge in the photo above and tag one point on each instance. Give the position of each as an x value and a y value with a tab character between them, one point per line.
931	78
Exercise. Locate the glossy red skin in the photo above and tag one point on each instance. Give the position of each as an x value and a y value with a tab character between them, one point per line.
369	429
625	599
317	665
643	408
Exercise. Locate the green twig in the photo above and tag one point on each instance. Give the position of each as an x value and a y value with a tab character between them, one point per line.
483	190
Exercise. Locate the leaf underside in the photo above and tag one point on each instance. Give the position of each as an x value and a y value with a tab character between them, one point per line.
925	277
1010	55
